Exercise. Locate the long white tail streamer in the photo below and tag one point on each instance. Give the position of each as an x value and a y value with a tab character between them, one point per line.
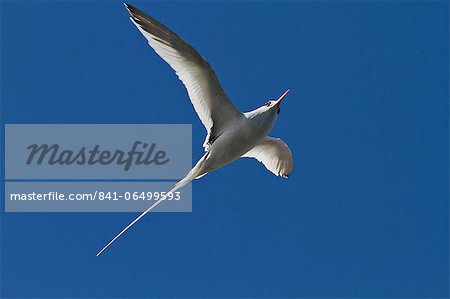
194	173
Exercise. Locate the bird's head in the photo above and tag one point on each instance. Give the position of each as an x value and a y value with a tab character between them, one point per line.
267	113
273	106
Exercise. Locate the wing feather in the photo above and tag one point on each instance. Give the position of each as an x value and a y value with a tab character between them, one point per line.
274	154
210	102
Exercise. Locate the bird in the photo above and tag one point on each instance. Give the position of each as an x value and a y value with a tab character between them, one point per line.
231	134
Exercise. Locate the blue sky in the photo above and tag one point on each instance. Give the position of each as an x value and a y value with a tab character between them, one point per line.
365	212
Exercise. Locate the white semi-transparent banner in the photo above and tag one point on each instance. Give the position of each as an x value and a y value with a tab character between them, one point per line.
96	168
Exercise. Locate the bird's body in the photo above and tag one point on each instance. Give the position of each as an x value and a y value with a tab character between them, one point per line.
231	134
241	136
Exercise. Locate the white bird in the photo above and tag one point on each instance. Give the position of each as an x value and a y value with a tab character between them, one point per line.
230	133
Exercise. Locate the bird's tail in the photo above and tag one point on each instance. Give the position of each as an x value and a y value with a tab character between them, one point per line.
194	173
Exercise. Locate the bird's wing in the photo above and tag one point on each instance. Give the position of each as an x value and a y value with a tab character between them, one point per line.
207	96
274	154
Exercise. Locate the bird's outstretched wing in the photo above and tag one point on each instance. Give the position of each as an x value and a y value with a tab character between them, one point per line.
207	96
274	154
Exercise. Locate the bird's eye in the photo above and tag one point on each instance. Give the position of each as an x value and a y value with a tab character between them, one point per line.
267	104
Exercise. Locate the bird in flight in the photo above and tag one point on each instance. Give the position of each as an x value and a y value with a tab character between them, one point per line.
231	134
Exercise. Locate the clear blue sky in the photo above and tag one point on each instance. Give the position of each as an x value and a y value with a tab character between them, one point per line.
365	212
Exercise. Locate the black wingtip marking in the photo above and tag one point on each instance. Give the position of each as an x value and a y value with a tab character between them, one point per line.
134	12
128	7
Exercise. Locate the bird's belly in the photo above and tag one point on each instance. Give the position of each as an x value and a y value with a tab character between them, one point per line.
231	145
